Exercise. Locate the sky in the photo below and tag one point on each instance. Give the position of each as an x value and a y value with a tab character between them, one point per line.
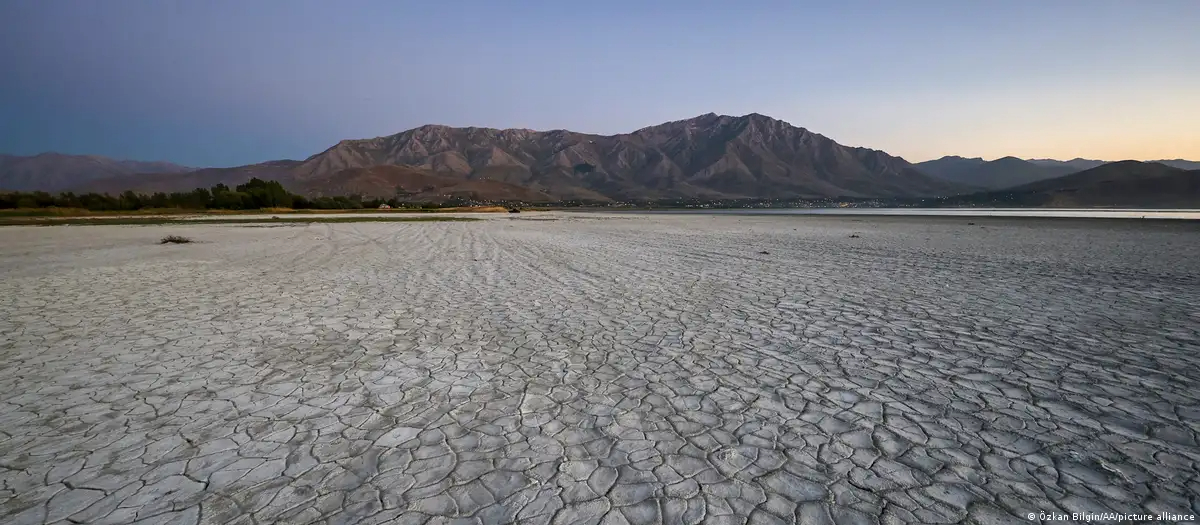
232	82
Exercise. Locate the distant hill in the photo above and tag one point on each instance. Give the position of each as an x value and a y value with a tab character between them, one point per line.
1181	164
55	172
1118	184
991	175
1077	164
952	168
1087	164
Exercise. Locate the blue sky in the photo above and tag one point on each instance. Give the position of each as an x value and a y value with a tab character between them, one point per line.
225	82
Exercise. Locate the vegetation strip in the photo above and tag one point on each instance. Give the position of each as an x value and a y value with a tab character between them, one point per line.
255	194
149	221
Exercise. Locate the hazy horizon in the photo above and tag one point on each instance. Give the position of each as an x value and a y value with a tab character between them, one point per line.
914	161
224	83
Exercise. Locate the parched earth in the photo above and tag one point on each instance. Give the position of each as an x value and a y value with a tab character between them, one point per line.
587	368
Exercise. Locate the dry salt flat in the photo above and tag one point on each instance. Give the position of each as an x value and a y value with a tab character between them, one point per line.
591	368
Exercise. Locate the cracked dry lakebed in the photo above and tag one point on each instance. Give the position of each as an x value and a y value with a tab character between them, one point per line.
583	368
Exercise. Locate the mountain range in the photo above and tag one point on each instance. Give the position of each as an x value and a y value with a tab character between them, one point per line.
1086	164
707	157
990	175
1127	184
710	156
416	185
1010	172
58	172
1076	163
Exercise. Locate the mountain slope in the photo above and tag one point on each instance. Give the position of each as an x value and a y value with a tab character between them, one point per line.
415	185
1077	163
1000	173
58	172
1123	171
1118	184
714	156
952	167
1180	163
1086	164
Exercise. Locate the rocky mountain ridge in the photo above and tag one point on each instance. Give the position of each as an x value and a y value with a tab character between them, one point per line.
715	156
710	156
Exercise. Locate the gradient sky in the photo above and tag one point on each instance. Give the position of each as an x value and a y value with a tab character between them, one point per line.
229	82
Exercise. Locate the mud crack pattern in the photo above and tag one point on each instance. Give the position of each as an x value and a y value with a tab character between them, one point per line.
584	369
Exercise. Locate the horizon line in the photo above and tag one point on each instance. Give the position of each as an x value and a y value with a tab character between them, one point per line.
344	140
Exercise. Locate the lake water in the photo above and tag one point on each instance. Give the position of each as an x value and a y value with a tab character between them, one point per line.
1091	213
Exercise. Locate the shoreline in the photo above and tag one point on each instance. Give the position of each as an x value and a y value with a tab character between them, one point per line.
1187	223
930	213
164	221
181	212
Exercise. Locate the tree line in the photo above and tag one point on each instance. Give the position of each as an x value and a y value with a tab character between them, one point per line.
253	195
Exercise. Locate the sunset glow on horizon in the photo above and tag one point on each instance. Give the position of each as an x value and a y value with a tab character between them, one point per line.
224	83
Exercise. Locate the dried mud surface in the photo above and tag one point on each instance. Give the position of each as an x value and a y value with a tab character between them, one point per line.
591	368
